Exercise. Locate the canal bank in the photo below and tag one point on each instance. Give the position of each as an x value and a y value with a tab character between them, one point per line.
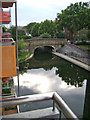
76	52
78	63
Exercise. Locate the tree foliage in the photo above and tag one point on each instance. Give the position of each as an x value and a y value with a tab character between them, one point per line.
12	30
45	35
29	27
34	30
26	37
47	27
4	29
82	35
74	17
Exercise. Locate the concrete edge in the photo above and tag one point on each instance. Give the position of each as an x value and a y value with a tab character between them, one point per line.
78	63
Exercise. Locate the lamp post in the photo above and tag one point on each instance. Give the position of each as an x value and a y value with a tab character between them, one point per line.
17	47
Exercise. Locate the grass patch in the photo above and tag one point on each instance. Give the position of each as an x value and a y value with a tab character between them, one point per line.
22	56
85	47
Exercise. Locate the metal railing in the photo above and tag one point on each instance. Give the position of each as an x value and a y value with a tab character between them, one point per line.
7	41
63	107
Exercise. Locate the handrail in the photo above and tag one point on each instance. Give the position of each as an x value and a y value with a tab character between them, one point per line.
7	38
8	94
11	96
64	107
26	99
7	41
41	97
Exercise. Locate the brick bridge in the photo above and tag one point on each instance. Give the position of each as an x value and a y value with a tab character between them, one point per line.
51	43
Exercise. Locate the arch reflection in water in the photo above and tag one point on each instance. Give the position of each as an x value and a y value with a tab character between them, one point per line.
43	53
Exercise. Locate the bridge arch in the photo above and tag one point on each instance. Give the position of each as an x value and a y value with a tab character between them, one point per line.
43	49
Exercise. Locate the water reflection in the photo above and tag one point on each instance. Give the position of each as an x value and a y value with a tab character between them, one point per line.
43	81
54	74
43	56
70	73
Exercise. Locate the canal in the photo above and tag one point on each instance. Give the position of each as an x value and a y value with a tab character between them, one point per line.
45	72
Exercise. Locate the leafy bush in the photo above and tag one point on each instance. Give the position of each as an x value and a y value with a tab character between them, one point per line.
34	30
82	43
82	35
26	37
45	35
60	34
12	30
21	44
88	34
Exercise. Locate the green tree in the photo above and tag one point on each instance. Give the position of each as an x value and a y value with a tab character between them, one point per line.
47	27
74	17
4	29
82	35
12	30
88	34
34	30
29	27
45	35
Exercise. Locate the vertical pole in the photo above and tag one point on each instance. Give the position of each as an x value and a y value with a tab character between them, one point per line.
53	105
60	115
17	46
1	64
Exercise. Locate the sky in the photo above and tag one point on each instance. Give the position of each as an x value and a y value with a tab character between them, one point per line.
39	10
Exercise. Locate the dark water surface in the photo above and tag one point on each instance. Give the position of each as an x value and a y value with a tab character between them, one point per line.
48	73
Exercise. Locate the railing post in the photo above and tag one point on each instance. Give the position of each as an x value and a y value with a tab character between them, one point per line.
53	105
57	100
60	114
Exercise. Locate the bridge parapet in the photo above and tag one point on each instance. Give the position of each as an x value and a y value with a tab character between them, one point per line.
39	38
37	42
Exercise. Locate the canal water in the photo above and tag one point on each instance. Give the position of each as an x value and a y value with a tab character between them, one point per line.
46	72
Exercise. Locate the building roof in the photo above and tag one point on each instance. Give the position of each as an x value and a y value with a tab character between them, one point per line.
7	3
